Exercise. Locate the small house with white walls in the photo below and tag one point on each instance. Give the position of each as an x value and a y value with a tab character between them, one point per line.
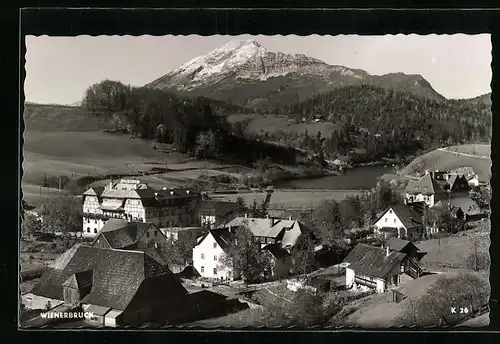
378	268
209	255
427	189
399	221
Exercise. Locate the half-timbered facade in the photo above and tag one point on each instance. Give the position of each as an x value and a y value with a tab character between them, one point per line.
132	200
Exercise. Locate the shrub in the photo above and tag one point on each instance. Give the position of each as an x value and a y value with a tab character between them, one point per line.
464	289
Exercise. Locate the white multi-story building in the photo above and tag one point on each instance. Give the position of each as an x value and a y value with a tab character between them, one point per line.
135	201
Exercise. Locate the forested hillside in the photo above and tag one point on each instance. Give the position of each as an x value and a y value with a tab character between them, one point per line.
386	123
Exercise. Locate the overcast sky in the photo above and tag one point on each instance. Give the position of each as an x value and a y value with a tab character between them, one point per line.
59	69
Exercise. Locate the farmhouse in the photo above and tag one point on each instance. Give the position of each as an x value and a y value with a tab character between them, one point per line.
427	189
217	213
209	255
135	201
406	247
463	208
400	221
121	287
121	234
272	230
379	268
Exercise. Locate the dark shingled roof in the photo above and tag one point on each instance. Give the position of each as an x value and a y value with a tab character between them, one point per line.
409	216
222	236
372	261
396	244
120	233
121	279
425	185
277	251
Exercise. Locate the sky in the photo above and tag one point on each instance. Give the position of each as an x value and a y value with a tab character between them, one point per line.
59	69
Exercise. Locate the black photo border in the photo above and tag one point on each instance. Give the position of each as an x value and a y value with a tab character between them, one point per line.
133	21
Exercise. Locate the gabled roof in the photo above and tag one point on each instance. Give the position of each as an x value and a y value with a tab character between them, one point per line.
425	185
397	244
122	279
409	216
120	233
94	191
262	227
222	237
454	178
277	251
219	208
372	261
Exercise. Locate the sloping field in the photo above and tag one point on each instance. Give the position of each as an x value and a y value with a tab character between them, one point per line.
46	118
451	251
448	160
82	153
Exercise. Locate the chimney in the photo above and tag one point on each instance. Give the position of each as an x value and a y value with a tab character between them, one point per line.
426	172
246	215
271	220
290	217
111	184
387	251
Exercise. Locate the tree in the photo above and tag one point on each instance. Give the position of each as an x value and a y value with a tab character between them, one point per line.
304	257
482	195
62	214
245	256
205	144
31	225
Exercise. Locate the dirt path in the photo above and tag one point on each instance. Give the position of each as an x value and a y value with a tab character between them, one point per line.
464	154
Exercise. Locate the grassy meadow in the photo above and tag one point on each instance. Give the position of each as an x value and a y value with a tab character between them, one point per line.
447	160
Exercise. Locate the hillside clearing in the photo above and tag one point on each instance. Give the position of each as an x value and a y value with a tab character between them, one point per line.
445	160
275	123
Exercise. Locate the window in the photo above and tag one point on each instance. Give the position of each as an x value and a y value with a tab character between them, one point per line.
215	271
147	235
88	229
156	233
215	245
95	230
202	269
95	221
203	256
386	219
88	220
215	258
394	220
